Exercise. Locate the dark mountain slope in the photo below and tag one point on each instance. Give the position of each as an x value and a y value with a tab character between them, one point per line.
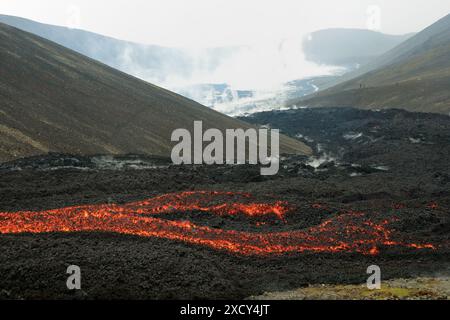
414	76
53	99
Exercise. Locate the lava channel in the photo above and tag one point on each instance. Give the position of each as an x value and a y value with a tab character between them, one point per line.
347	232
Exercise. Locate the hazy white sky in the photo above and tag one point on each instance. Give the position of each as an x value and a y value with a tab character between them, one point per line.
209	23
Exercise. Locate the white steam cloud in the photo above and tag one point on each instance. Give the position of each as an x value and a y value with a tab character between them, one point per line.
262	69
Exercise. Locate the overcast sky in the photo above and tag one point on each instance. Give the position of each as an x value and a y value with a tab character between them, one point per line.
195	23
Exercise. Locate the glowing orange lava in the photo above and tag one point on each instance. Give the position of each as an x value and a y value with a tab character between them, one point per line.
349	232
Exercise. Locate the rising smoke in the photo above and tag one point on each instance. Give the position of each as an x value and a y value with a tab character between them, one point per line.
218	77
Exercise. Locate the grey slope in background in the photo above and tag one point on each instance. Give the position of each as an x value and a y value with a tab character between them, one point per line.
348	47
414	75
54	99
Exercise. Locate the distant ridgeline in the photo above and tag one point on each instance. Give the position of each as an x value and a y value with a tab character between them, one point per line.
414	75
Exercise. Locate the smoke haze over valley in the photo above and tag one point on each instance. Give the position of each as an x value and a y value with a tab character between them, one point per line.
235	57
262	68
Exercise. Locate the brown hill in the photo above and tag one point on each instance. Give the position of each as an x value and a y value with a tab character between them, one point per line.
54	99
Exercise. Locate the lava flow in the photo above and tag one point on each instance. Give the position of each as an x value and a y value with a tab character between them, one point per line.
348	232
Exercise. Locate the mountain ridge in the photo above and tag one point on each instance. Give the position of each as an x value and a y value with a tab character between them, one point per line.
146	61
414	76
348	46
54	99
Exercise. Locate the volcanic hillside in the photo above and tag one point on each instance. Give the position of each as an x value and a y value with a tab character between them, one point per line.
414	76
54	99
144	61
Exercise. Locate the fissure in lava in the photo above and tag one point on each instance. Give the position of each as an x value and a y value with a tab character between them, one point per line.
347	232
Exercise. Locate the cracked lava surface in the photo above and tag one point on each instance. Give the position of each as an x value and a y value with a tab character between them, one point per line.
346	232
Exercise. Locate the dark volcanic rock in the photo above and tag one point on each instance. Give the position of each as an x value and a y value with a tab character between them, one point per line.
381	172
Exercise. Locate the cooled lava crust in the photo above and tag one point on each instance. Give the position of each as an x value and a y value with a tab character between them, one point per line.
142	229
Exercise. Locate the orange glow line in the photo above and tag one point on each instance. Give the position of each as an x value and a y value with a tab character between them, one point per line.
351	232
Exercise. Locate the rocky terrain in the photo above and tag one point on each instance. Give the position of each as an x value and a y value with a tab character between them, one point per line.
376	191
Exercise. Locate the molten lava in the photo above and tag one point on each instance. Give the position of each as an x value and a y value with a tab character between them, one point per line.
348	232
